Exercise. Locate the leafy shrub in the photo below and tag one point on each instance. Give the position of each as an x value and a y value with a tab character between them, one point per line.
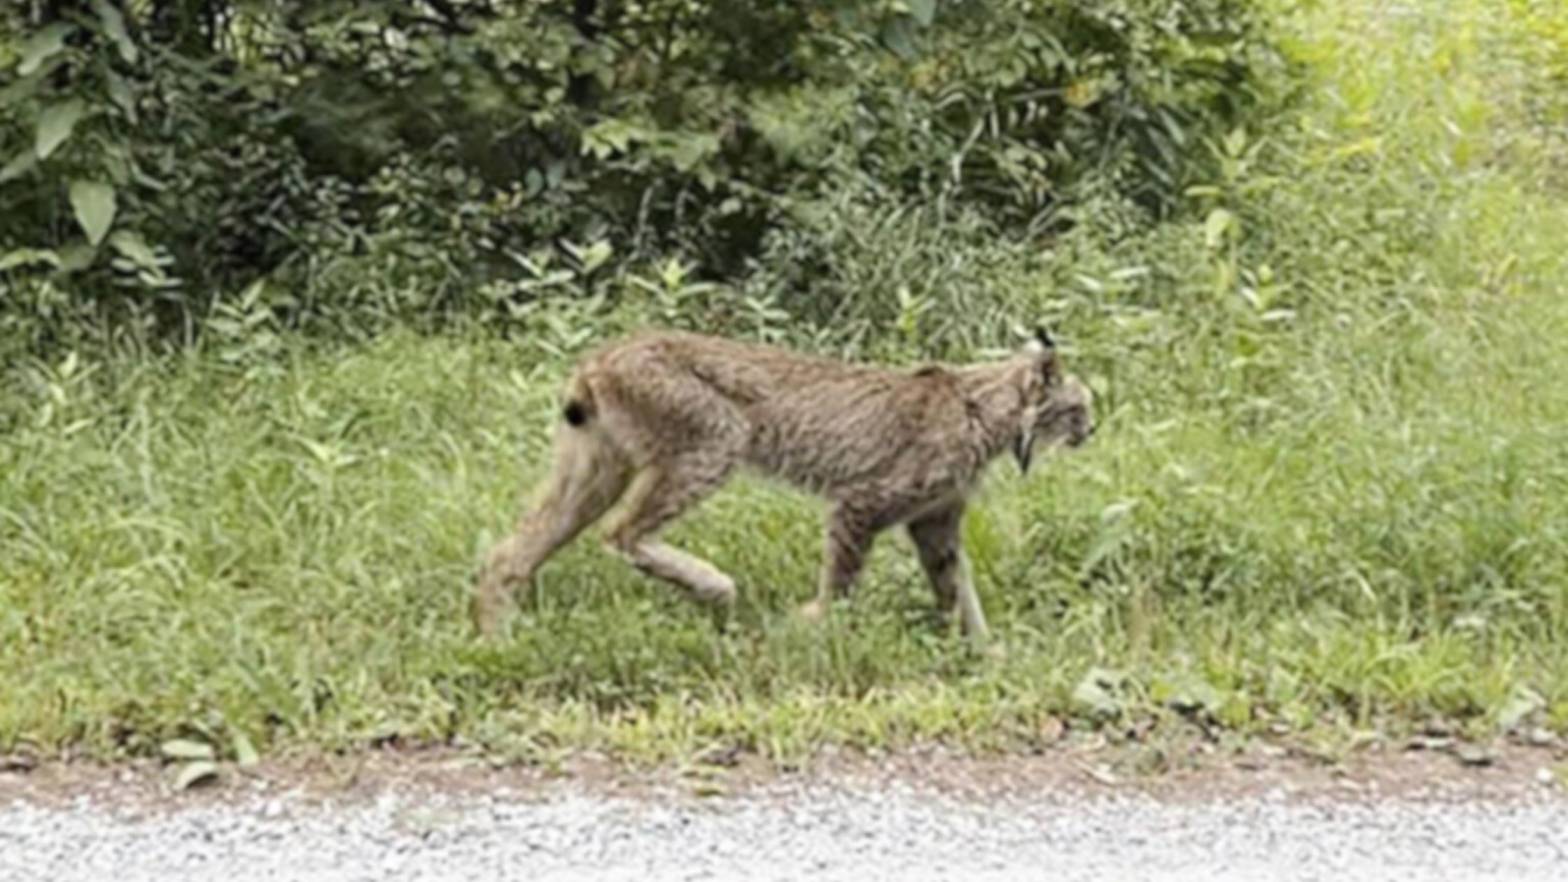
381	162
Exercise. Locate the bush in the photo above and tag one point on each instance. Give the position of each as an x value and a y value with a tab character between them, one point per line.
395	161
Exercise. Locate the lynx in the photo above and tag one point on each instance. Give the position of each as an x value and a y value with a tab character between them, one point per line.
659	420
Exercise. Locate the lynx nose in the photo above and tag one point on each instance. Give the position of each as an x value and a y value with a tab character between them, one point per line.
1082	436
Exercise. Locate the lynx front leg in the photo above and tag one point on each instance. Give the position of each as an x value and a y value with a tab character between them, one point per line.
938	539
848	541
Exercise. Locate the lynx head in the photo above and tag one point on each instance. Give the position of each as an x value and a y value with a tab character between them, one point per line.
1058	408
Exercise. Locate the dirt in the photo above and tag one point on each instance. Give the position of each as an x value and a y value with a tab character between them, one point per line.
1174	770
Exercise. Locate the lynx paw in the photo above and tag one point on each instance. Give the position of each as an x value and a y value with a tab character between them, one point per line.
994	651
814	612
714	588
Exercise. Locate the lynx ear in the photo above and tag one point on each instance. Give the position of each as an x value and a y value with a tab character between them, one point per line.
1042	350
1041	345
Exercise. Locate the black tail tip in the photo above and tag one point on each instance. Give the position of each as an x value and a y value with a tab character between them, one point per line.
575	413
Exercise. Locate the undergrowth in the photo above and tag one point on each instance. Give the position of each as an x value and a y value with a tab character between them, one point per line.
1328	493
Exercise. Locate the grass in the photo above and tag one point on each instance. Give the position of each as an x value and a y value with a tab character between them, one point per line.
1328	495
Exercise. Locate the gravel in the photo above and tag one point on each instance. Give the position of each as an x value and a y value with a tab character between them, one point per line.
820	832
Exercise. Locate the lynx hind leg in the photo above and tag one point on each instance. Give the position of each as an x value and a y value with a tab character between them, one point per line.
660	493
587	478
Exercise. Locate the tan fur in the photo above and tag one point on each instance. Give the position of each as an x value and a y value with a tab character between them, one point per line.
659	420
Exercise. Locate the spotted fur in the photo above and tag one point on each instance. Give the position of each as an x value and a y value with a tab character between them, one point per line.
659	420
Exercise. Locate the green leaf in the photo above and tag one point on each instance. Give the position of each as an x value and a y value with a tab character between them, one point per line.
43	44
592	257
25	256
1215	225
686	151
898	36
609	136
1235	142
924	11
120	93
21	165
134	248
184	748
244	751
77	257
1100	692
94	205
1235	711
1523	702
195	773
55	125
114	26
1187	693
21	88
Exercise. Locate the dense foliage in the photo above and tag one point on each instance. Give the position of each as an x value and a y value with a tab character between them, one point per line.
174	165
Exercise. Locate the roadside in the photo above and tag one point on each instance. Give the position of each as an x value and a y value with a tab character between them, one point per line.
1170	769
1390	813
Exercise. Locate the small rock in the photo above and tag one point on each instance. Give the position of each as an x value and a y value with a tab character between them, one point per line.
722	756
1101	774
1541	737
1475	755
1544	777
18	762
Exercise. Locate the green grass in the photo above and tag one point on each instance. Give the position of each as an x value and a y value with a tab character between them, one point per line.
1330	492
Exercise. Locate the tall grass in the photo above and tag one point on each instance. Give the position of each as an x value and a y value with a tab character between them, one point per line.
1329	489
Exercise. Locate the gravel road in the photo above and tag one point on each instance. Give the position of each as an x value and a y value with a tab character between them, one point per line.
798	831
